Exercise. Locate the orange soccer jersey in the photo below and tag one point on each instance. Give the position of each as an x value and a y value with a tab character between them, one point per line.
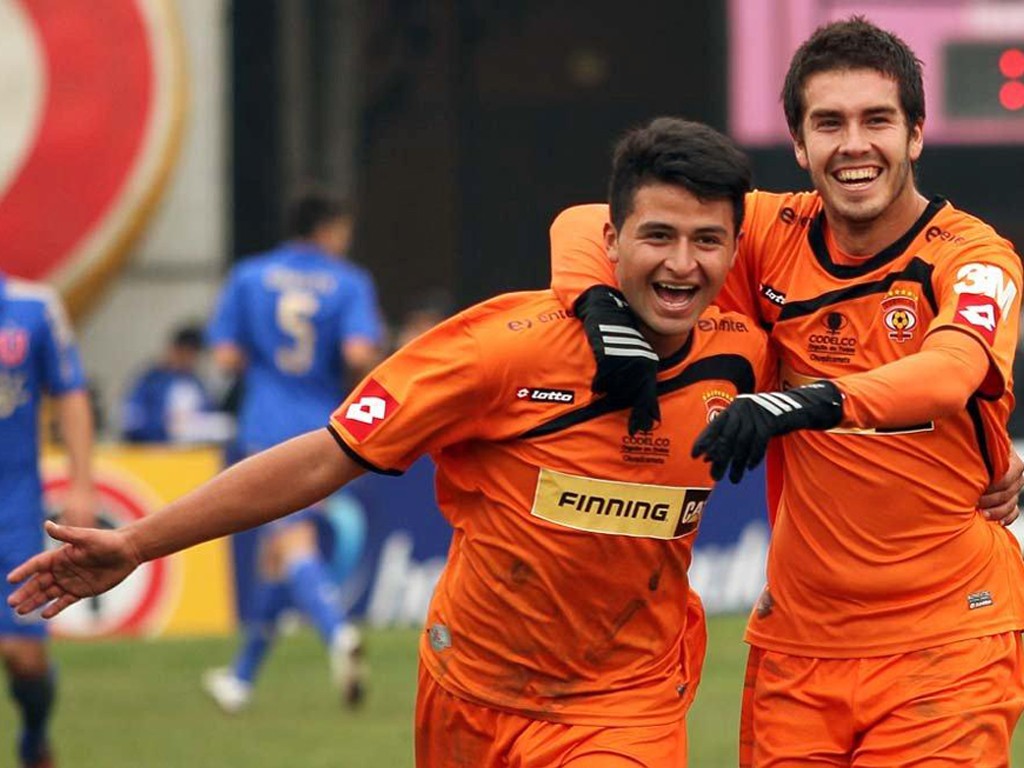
877	546
564	595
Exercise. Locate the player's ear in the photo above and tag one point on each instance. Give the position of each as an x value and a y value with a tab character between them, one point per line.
800	150
735	248
611	242
916	141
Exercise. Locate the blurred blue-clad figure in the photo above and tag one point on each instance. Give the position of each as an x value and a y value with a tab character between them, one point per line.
301	324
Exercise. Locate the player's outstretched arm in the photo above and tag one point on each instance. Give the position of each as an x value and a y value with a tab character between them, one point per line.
264	487
736	440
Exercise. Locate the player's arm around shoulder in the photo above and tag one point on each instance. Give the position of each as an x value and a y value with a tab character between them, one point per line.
579	258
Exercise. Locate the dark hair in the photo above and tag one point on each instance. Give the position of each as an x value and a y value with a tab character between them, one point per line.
681	153
313	208
853	43
188	336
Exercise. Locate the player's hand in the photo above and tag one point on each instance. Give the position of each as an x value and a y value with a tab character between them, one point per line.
1000	502
627	366
739	436
90	562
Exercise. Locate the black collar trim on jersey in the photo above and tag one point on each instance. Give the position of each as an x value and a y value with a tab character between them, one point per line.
678	356
816	238
916	271
734	368
359	459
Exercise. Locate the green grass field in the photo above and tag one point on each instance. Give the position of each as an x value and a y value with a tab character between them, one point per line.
126	704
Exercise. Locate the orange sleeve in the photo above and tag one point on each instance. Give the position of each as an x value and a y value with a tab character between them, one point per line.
936	381
578	256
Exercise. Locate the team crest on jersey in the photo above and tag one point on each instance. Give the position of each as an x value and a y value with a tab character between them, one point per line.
716	401
370	407
899	313
13	346
12	393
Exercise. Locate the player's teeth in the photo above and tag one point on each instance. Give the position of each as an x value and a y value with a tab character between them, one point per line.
858	174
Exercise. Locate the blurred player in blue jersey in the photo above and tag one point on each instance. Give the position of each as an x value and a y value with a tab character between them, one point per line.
303	325
37	357
168	402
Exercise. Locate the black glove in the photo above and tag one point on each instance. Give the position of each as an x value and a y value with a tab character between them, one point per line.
627	366
740	434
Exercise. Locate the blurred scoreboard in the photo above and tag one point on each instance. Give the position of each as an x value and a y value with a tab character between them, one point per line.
972	50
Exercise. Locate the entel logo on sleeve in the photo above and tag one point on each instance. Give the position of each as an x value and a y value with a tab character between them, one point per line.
364	414
978	312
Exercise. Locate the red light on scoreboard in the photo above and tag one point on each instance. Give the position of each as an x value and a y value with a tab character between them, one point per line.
1011	95
985	79
1011	63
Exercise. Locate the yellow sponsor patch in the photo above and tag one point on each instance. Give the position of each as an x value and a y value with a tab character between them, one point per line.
624	509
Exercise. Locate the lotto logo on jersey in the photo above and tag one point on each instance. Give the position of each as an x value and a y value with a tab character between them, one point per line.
986	280
371	406
979	313
546	395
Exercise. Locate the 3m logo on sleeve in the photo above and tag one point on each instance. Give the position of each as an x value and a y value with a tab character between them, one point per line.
623	509
979	313
986	280
371	406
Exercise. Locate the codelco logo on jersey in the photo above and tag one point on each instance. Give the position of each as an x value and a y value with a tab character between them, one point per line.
716	401
370	407
13	346
139	604
835	343
645	448
899	314
546	395
623	509
93	102
987	280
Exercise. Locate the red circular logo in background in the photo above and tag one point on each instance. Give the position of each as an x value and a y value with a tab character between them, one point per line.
137	605
93	100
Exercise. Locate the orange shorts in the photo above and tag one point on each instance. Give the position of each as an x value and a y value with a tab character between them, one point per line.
695	646
454	733
954	705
